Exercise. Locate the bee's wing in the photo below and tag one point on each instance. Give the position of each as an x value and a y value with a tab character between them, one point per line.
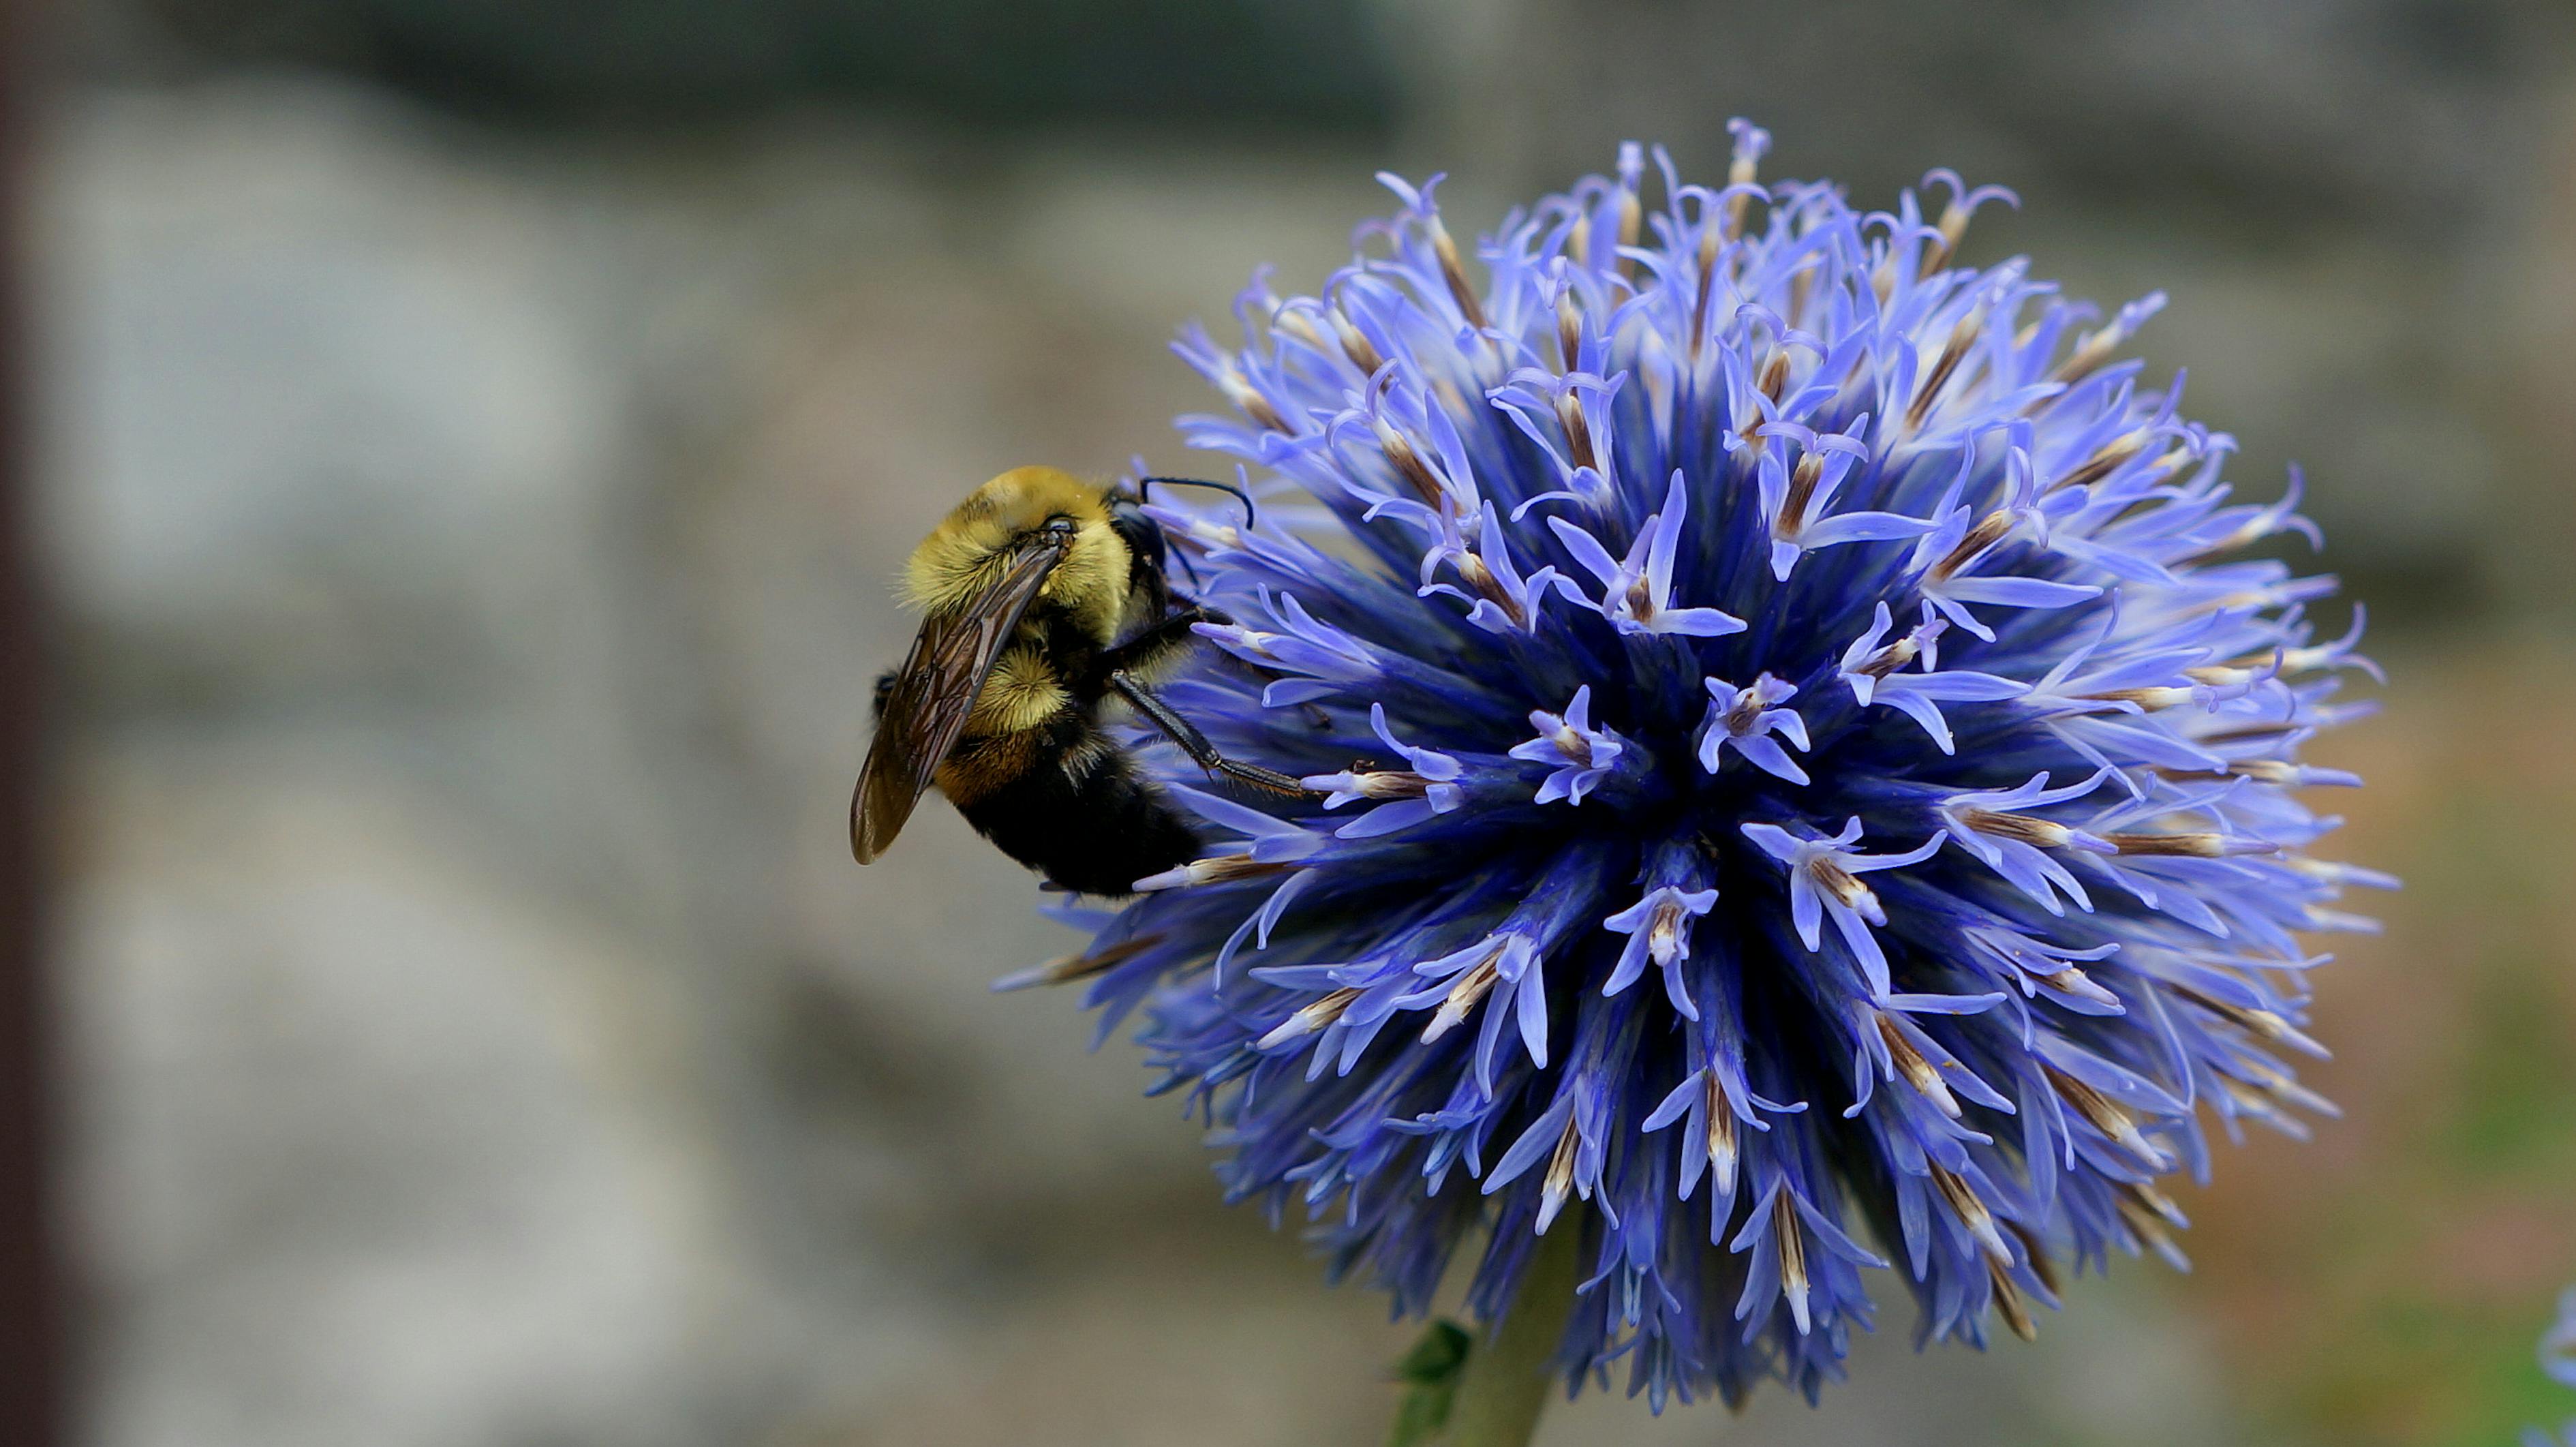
933	693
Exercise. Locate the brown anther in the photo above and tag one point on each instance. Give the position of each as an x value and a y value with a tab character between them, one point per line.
1559	1180
1988	531
2148	1213
2262	1024
2069	981
1356	345
1226	868
1775	373
1793	1245
1632	218
1891	658
1569	330
2152	700
1383	784
1721	1132
1313	1016
1802	490
2193	845
1578	431
2025	828
1065	969
2089	355
1252	404
1953	351
1953	227
2008	1303
1573	745
1399	452
1708	242
1490	588
2251	733
1297	324
2156	1201
1970	1208
1452	272
2103	463
2031	1250
1739	174
1470	987
2105	1115
1739	715
1918	1072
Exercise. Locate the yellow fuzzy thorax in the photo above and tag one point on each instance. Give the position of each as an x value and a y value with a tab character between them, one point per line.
963	556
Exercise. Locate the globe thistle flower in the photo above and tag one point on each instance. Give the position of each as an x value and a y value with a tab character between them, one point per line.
1806	795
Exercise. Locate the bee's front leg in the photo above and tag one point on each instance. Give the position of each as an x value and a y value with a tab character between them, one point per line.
1195	744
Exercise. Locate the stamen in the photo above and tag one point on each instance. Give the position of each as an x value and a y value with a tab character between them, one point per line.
1454	273
1970	1208
1739	174
1775	373
1574	746
1962	337
1356	345
1065	969
1298	324
1891	658
2152	700
1223	869
1578	430
2103	463
2198	844
1988	531
2040	1265
2264	1024
1399	453
1802	488
1559	1182
1793	1257
1918	1072
1470	988
2108	1117
2090	354
1253	405
1490	588
1569	329
2008	1303
1313	1017
1721	1133
2026	828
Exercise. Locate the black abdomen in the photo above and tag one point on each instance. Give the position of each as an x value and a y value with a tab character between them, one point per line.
1098	834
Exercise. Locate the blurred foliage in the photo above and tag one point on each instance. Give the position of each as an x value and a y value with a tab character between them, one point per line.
1311	63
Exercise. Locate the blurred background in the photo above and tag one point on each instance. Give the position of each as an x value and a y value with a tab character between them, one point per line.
473	440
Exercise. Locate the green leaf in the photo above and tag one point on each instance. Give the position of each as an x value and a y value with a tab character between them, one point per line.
1430	1372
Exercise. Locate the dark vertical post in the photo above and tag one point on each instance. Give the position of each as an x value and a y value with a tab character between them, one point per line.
31	1357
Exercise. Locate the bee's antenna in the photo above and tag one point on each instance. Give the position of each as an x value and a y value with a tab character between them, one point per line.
1250	517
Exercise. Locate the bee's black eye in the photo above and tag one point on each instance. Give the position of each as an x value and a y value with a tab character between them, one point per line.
1063	527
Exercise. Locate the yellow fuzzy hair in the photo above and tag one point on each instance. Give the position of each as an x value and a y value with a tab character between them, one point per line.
962	556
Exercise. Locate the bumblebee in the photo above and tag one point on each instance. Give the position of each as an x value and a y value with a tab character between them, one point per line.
1042	596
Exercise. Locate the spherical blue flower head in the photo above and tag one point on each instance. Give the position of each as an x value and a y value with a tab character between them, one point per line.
1806	791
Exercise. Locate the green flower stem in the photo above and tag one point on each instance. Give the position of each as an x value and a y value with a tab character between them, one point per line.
1506	1384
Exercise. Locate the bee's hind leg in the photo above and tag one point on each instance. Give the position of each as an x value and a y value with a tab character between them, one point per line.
1195	744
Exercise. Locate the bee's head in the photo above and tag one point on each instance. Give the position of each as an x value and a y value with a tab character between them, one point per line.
963	555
